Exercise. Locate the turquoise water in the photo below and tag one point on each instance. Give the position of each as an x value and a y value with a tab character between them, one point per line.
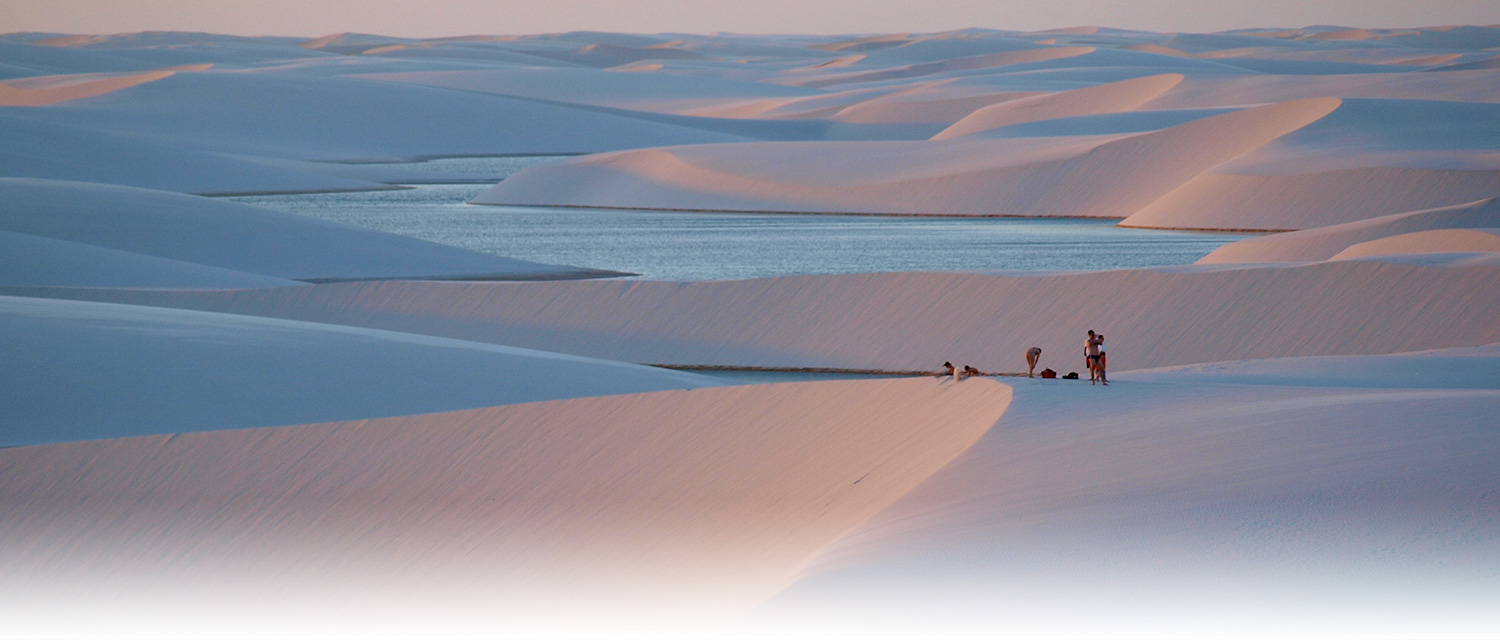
720	246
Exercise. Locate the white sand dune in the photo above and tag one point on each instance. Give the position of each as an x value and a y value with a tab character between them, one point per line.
1305	497
44	90
668	509
1351	491
85	370
1322	243
306	118
35	261
985	61
928	103
1407	155
1124	95
1202	90
1434	241
1098	177
647	92
36	149
866	43
913	321
239	237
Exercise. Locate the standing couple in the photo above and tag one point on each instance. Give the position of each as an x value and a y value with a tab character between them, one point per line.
1093	351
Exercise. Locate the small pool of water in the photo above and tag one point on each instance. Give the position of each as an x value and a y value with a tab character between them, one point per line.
764	377
720	246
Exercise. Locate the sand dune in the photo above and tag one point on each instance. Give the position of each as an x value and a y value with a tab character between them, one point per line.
1422	61
913	321
34	261
865	44
1434	241
85	370
38	91
929	103
305	118
1350	491
1270	203
941	66
79	153
1409	155
240	237
836	63
1098	177
1322	243
621	510
1199	91
1125	95
1307	496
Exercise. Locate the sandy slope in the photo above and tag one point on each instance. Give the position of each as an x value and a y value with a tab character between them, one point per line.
965	63
37	149
38	91
1124	95
1312	497
34	261
240	237
82	370
1109	178
1434	241
664	509
1366	159
1323	243
905	321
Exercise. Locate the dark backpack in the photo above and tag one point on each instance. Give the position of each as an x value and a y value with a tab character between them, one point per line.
1072	375
1049	374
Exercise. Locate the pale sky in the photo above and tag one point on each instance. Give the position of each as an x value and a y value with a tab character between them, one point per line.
430	18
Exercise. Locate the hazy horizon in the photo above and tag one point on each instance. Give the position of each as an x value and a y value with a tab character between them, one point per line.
408	18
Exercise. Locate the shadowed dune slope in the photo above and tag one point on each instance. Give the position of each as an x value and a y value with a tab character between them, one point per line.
1366	159
1434	241
34	261
240	237
906	321
82	370
38	91
985	61
1301	497
705	501
1124	95
1322	243
1051	177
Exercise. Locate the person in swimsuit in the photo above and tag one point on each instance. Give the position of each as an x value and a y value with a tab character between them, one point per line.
948	371
1032	356
1091	353
970	371
1103	360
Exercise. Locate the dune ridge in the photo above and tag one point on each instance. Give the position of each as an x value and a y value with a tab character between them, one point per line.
914	321
953	64
239	237
40	91
627	505
1124	95
1111	178
1431	241
1365	481
1322	243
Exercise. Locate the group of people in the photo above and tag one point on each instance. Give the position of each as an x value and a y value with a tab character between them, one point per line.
1093	356
1094	359
958	374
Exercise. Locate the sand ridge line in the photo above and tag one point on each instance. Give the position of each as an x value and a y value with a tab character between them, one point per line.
870	372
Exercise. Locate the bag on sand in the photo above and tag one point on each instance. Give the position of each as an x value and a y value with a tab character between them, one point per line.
1072	375
1048	373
